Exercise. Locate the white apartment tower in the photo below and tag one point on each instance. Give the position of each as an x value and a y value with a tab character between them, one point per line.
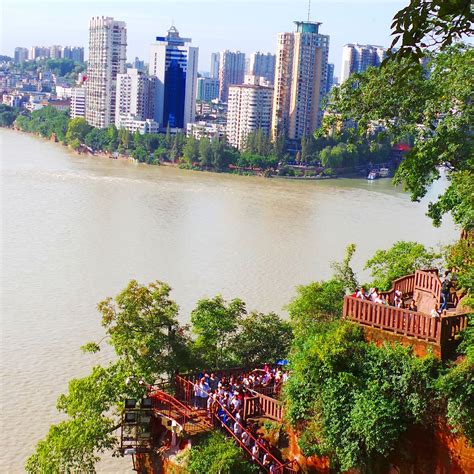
174	64
231	71
358	57
134	96
300	81
107	56
249	109
78	102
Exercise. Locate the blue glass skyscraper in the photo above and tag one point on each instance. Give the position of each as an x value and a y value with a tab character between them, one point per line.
174	64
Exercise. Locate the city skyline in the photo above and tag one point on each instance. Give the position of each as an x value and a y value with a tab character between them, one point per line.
220	25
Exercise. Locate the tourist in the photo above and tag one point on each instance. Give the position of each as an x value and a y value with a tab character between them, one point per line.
445	290
361	293
266	460
397	300
246	439
413	306
256	453
435	312
213	382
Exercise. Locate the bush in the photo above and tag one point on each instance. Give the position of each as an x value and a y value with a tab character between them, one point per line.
218	455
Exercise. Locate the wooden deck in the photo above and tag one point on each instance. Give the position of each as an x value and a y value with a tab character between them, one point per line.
425	288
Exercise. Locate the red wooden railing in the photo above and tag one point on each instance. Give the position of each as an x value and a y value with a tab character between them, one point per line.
169	406
404	322
405	284
428	282
392	319
260	404
185	388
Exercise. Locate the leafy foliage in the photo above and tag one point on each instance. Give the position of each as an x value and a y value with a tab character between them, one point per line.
426	24
352	400
218	455
316	302
403	258
7	115
215	321
261	338
343	272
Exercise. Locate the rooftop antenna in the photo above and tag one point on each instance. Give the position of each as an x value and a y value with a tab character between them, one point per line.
309	9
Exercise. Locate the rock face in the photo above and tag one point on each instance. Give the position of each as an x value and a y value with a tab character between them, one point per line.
421	450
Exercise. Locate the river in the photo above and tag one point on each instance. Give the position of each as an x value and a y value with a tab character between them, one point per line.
76	229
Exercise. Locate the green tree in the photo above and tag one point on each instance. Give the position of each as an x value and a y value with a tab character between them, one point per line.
403	258
214	321
124	138
315	303
7	115
426	24
218	455
140	154
97	139
141	325
205	152
343	271
191	150
77	129
261	338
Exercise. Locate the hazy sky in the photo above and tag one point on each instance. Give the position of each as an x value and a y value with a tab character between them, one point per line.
213	25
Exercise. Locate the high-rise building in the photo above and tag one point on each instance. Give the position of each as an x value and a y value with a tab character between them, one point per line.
214	65
134	96
231	71
75	53
330	77
263	65
207	89
37	52
21	55
174	63
107	56
249	109
139	64
55	52
78	102
358	57
300	81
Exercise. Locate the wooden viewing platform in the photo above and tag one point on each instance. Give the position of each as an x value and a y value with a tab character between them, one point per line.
385	322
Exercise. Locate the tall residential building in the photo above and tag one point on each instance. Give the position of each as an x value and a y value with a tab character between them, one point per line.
107	56
263	65
75	53
207	89
249	109
215	65
37	52
330	77
78	102
55	52
358	57
134	96
231	71
300	81
174	63
21	55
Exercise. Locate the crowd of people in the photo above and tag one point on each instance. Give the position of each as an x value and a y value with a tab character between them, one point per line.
223	398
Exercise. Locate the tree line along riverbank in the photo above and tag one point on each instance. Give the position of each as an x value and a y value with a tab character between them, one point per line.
317	158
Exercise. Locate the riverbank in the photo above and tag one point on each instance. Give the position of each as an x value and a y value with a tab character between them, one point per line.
83	150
